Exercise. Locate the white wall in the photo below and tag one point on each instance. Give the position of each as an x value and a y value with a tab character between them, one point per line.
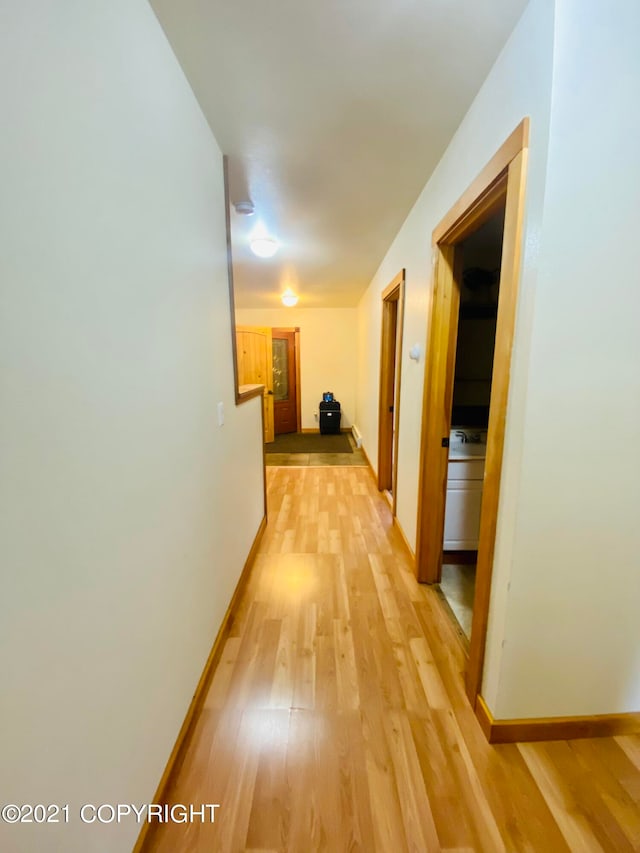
573	630
328	352
564	634
126	513
518	85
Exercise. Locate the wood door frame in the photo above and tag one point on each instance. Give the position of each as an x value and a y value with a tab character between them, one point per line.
390	368
501	182
241	394
296	352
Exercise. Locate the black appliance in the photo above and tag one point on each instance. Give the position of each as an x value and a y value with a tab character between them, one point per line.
330	414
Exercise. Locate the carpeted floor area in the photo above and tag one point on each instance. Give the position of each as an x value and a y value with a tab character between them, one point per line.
309	442
352	457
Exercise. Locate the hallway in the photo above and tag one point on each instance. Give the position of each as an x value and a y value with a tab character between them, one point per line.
336	719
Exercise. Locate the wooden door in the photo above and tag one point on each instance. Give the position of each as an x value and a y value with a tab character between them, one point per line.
285	390
253	345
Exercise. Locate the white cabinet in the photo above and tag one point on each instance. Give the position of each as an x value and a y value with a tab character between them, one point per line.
465	469
464	499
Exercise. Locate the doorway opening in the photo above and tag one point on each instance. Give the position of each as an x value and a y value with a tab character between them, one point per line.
479	287
497	195
390	375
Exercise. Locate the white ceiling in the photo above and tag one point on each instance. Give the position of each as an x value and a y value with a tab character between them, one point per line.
334	114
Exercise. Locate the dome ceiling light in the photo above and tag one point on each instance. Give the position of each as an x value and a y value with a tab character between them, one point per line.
264	247
245	208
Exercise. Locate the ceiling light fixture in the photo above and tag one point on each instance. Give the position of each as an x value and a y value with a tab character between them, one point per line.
289	298
263	247
245	208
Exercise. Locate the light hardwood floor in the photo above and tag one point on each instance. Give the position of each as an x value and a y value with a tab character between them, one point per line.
336	719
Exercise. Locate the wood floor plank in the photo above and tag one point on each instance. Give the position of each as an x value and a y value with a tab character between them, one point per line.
236	805
305	675
221	680
487	836
315	811
559	794
630	744
346	669
417	817
618	785
386	810
337	720
357	821
453	823
269	819
593	800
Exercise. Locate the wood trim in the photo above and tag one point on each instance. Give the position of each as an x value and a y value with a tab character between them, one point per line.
391	333
395	283
232	296
298	385
501	181
484	717
554	728
483	209
505	331
436	416
398	391
518	140
264	483
251	392
182	741
240	397
385	392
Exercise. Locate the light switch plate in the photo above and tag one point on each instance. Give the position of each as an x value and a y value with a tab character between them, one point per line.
220	414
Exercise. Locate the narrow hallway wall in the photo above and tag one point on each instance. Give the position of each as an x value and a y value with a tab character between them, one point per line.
126	512
573	632
563	629
519	85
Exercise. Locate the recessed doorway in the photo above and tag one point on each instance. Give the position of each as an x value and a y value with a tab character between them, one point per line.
481	257
390	375
500	187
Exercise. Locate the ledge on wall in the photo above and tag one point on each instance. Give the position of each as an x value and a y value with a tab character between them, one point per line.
247	392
